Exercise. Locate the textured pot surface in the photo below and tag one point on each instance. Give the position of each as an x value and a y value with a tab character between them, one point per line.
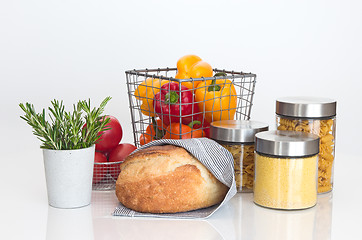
69	176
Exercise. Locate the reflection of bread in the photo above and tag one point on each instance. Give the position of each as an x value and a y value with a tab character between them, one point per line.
167	179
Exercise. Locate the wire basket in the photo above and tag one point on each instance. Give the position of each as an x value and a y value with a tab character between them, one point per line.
105	175
232	99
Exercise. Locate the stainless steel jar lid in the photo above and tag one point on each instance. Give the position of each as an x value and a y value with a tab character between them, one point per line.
240	131
287	143
309	107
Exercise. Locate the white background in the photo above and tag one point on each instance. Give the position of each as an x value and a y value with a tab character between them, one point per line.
74	50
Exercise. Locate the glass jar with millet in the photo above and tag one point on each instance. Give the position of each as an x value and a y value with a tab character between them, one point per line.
286	169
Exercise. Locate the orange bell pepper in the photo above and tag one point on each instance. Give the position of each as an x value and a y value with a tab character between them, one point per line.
191	66
181	131
154	131
144	139
201	69
185	63
217	99
146	91
189	84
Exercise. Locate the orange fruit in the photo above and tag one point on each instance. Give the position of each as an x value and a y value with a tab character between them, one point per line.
185	63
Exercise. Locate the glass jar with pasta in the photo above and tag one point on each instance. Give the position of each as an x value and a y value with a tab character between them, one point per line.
286	169
317	116
237	136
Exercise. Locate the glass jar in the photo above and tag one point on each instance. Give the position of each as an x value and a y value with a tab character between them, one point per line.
286	169
312	115
237	136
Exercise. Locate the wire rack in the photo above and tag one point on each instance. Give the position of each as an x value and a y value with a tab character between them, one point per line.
105	175
144	85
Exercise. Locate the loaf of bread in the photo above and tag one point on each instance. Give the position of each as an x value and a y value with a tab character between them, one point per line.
167	179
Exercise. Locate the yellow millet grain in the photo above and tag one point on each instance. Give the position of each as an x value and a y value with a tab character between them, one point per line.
285	183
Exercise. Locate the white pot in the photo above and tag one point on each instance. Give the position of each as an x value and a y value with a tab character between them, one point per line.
69	176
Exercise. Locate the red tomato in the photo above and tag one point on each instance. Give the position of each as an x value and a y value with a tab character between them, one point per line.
111	137
118	154
100	170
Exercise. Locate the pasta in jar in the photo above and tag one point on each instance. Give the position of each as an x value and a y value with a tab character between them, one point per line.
324	129
237	136
243	165
320	123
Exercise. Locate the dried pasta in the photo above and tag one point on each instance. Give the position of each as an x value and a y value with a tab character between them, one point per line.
324	129
243	165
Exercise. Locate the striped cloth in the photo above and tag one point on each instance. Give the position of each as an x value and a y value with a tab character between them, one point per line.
217	159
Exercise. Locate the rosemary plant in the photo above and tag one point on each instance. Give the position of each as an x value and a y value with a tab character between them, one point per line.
65	130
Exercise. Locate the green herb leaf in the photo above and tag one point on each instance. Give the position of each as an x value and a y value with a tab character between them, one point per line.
65	130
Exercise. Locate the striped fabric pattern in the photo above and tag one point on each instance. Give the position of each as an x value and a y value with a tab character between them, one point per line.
217	159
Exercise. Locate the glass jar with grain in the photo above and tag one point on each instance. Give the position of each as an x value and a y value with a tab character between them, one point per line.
286	169
317	116
237	136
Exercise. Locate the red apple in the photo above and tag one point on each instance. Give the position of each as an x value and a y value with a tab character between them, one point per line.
118	154
100	170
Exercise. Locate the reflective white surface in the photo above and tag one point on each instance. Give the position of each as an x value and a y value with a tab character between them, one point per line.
25	214
240	219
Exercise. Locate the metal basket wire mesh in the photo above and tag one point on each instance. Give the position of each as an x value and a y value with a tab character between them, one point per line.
105	175
144	85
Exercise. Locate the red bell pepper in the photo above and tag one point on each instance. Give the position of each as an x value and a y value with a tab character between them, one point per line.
175	104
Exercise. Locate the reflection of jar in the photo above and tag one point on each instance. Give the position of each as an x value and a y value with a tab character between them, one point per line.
312	115
237	136
286	169
323	228
283	225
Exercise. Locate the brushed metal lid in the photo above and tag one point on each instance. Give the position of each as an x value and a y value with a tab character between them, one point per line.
310	107
240	131
287	143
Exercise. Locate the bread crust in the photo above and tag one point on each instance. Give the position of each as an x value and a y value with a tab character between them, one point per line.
167	179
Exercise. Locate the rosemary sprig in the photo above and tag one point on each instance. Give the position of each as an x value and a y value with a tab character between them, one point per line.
64	130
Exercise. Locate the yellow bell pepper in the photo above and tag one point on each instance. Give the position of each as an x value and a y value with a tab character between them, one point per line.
217	99
146	91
